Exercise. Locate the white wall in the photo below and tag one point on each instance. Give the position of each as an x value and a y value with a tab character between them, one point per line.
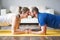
55	4
0	6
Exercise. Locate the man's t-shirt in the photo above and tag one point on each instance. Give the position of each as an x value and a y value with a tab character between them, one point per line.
49	20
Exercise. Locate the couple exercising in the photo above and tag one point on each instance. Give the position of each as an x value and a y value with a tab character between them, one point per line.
44	19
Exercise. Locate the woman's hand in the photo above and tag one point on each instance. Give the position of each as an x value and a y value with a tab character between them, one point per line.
18	31
27	31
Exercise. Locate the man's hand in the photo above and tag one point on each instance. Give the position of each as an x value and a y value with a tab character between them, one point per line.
43	31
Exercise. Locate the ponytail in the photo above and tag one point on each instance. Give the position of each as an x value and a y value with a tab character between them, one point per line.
20	9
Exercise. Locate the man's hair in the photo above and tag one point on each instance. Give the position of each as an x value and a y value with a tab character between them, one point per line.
35	9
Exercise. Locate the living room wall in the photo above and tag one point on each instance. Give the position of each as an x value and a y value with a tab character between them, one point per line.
55	4
0	6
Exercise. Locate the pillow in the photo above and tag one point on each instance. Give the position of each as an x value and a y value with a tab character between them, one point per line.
51	11
42	9
3	11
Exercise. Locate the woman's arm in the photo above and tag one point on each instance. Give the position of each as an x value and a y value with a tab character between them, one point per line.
15	25
43	30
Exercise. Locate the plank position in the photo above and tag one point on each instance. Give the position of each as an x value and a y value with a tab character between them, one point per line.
15	19
45	20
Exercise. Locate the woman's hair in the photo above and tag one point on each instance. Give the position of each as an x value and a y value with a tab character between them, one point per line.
20	9
35	9
23	9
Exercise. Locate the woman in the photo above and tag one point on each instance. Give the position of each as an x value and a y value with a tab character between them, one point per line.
15	19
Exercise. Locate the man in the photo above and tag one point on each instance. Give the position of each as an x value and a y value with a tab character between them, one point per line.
45	20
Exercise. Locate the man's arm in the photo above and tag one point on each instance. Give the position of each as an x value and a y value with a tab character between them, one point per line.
43	30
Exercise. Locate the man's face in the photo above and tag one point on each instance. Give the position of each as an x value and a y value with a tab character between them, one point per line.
33	13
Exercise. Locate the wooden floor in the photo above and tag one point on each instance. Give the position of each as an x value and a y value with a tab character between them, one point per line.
29	38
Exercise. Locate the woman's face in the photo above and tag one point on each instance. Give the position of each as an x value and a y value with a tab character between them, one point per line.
25	15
